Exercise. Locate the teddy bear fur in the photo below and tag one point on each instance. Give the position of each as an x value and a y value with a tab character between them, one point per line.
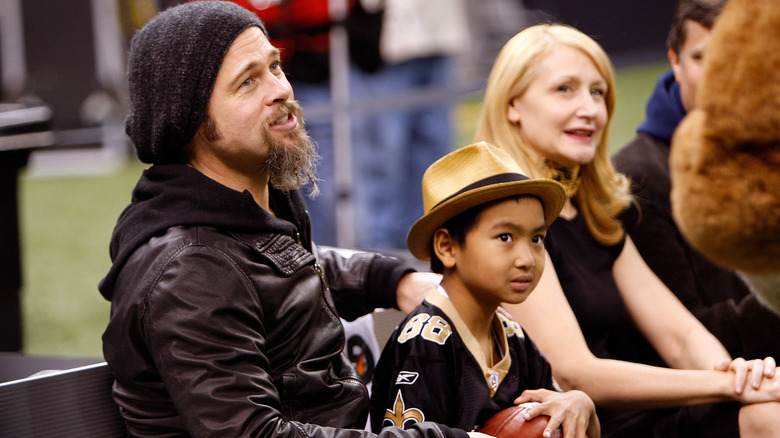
725	156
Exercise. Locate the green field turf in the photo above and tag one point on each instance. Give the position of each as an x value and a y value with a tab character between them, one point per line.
66	226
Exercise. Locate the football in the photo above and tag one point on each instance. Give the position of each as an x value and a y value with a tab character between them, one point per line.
509	423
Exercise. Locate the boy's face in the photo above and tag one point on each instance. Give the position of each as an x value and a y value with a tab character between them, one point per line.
502	258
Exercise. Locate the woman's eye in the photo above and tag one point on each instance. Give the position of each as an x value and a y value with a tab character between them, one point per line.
598	92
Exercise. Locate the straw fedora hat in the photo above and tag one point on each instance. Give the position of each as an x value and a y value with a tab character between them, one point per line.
471	176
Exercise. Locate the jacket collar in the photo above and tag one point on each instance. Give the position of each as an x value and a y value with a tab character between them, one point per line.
281	251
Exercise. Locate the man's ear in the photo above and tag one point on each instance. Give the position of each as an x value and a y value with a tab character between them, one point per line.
444	247
674	60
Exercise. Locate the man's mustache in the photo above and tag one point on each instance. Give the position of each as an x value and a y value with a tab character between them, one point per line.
291	106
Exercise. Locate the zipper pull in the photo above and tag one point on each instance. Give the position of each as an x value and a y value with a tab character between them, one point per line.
321	273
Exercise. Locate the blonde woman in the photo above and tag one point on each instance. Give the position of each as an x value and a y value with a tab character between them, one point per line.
606	323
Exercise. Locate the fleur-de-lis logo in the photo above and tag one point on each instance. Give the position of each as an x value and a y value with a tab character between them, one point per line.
400	415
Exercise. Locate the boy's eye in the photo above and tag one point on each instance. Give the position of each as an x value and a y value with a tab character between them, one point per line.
539	238
505	237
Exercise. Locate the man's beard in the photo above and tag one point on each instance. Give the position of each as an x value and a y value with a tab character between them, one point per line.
291	161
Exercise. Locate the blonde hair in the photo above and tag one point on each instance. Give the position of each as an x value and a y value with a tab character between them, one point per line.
603	193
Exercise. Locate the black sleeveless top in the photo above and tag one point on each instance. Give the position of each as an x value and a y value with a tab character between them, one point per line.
584	268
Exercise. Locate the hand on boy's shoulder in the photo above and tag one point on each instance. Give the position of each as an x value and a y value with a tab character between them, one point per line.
413	288
511	327
500	310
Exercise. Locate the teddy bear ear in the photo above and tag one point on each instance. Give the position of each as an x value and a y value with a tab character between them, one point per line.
739	86
725	157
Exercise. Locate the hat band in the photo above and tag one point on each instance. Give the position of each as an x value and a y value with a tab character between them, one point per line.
495	179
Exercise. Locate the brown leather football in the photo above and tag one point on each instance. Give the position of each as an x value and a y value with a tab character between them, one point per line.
509	423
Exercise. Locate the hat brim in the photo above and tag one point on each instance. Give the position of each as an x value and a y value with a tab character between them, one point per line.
420	234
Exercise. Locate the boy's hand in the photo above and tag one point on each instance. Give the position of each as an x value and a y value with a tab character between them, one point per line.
573	410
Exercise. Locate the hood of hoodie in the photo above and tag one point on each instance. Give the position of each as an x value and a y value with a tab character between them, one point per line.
664	109
172	195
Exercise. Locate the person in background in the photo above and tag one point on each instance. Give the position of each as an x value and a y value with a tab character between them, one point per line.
396	141
605	322
717	297
224	314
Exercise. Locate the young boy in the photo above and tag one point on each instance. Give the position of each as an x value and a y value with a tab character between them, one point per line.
455	360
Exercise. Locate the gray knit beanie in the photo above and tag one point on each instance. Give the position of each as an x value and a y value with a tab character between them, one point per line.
172	66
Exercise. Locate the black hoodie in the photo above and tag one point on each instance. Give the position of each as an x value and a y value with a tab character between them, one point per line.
163	198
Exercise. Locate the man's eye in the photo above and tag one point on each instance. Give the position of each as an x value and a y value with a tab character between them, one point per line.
247	82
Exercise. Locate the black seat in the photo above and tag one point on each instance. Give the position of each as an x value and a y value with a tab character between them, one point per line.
74	402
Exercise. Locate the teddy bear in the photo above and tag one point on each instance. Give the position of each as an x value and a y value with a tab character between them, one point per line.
725	155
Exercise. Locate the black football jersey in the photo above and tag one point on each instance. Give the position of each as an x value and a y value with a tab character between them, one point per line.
432	369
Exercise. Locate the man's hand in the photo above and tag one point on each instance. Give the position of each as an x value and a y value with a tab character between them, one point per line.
412	289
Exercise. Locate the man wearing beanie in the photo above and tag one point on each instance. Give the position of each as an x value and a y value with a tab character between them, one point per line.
224	315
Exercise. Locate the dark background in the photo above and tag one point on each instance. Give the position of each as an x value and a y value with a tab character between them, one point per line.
630	31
